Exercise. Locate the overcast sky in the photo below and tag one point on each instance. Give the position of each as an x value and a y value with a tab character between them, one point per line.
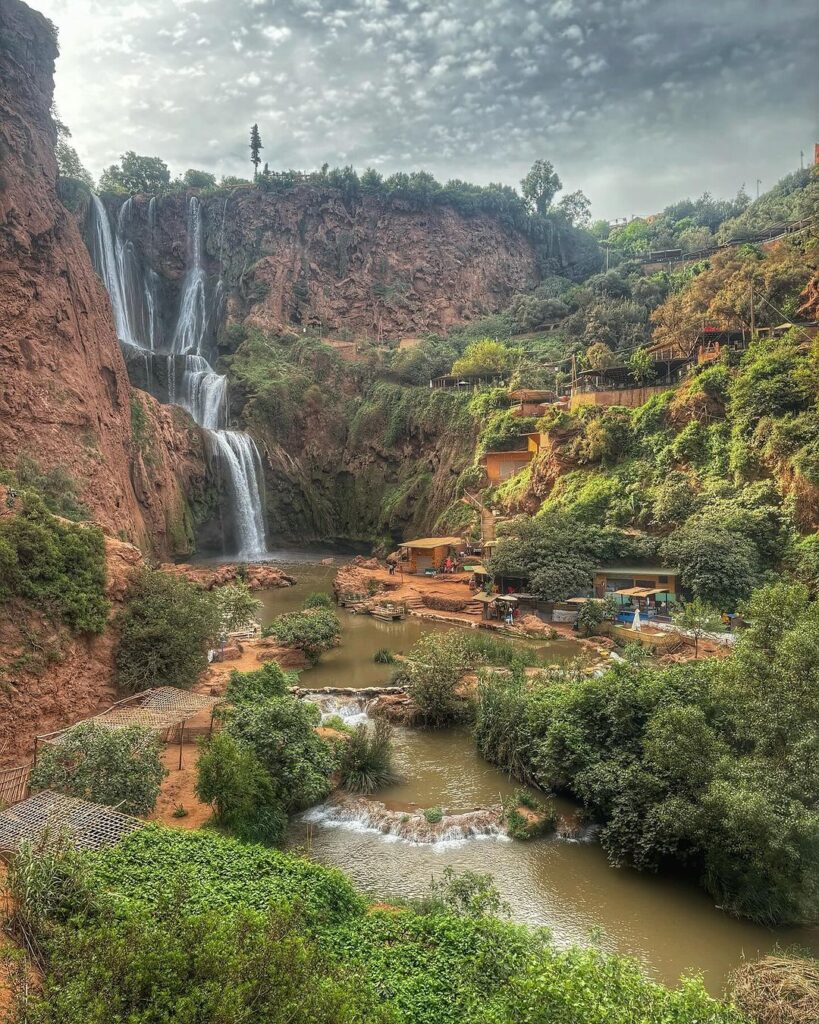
637	102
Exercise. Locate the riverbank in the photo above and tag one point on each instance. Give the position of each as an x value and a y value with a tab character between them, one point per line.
445	598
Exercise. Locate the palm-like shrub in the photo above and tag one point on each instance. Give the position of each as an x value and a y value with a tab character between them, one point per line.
365	760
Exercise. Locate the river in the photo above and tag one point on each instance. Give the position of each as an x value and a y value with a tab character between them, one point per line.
667	923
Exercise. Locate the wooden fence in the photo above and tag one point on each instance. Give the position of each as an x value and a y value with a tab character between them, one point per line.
14	784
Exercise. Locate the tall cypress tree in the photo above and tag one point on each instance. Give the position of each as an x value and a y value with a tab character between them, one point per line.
255	147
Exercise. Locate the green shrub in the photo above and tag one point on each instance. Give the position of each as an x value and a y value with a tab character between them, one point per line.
56	566
384	656
56	486
365	759
312	632
237	606
318	600
118	767
434	669
192	918
259	684
166	629
593	614
233	781
170	965
281	733
222	874
434	815
518	825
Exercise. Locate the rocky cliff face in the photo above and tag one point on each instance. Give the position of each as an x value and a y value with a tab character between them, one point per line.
375	267
64	392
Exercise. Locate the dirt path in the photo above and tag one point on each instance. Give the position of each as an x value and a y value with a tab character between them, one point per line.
178	790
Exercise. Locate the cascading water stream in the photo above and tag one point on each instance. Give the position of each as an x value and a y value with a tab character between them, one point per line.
199	389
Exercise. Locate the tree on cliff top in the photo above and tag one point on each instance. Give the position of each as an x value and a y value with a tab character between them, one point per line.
69	164
541	185
255	148
146	174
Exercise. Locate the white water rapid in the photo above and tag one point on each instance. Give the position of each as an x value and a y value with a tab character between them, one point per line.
197	388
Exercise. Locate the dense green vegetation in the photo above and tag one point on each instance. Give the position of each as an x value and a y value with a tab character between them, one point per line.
313	631
165	631
268	760
705	765
193	927
58	567
55	486
697	224
120	768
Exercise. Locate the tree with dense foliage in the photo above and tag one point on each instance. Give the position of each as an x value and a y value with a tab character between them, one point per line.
484	358
434	669
716	565
120	768
641	367
232	779
147	175
258	685
540	185
698	619
576	208
198	179
69	164
312	631
600	357
165	631
238	608
721	294
281	733
593	613
255	149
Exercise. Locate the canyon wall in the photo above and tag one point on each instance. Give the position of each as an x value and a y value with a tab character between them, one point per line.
65	399
303	256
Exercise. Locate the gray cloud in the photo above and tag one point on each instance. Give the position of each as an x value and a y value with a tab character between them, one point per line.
637	102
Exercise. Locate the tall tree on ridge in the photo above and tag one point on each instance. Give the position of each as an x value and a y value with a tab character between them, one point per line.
255	147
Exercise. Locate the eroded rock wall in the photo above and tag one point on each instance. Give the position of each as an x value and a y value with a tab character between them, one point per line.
304	257
65	398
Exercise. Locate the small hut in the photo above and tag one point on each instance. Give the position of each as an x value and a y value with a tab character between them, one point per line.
429	553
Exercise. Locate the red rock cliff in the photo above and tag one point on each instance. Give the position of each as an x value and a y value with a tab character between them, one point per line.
373	266
64	392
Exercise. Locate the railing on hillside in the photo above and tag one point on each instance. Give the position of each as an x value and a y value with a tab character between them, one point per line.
772	234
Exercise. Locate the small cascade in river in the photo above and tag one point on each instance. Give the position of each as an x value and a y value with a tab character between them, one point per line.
192	381
359	814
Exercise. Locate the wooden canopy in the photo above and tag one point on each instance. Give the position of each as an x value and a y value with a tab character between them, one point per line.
430	543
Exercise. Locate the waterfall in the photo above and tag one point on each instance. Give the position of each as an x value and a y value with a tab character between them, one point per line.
201	391
109	268
192	323
241	466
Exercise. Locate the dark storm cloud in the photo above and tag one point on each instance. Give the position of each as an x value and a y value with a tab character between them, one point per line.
636	102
